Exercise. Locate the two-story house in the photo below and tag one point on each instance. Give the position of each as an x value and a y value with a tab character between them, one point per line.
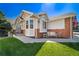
32	25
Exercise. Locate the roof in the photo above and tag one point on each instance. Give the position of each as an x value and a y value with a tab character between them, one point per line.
34	16
42	13
27	12
62	16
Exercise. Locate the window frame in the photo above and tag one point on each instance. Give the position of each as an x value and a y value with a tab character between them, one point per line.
31	24
27	24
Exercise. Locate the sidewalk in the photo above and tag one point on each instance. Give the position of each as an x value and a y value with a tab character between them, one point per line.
25	39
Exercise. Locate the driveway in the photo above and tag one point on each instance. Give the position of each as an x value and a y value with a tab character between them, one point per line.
25	39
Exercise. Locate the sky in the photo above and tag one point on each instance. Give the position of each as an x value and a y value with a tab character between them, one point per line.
12	10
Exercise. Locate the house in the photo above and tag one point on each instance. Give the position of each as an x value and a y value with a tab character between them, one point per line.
78	26
75	23
32	25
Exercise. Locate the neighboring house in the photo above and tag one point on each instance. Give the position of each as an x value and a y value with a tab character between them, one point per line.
78	26
40	25
75	24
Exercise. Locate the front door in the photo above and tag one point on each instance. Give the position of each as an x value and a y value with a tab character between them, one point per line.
30	28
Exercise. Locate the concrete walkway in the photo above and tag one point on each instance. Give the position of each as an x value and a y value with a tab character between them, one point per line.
25	39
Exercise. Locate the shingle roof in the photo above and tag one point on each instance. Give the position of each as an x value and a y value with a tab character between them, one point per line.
62	16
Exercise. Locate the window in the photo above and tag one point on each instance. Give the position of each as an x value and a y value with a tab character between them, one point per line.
27	24
31	24
44	24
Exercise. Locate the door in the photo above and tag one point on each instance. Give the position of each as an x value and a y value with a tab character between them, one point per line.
30	28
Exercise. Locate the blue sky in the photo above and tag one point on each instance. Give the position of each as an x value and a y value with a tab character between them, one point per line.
12	10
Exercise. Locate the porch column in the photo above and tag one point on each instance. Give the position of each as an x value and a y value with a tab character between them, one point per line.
71	29
37	29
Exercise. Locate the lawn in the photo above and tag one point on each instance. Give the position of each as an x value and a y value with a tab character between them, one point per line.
14	47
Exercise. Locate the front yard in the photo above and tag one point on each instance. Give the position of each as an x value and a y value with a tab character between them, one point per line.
14	47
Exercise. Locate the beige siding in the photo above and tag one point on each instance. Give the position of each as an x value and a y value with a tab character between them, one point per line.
59	24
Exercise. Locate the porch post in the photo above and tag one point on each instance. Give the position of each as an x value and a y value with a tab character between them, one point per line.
36	29
71	30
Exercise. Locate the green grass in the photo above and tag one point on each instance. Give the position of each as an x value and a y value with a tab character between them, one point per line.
59	49
14	47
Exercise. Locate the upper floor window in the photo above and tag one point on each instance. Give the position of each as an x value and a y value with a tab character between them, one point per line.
27	24
31	24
